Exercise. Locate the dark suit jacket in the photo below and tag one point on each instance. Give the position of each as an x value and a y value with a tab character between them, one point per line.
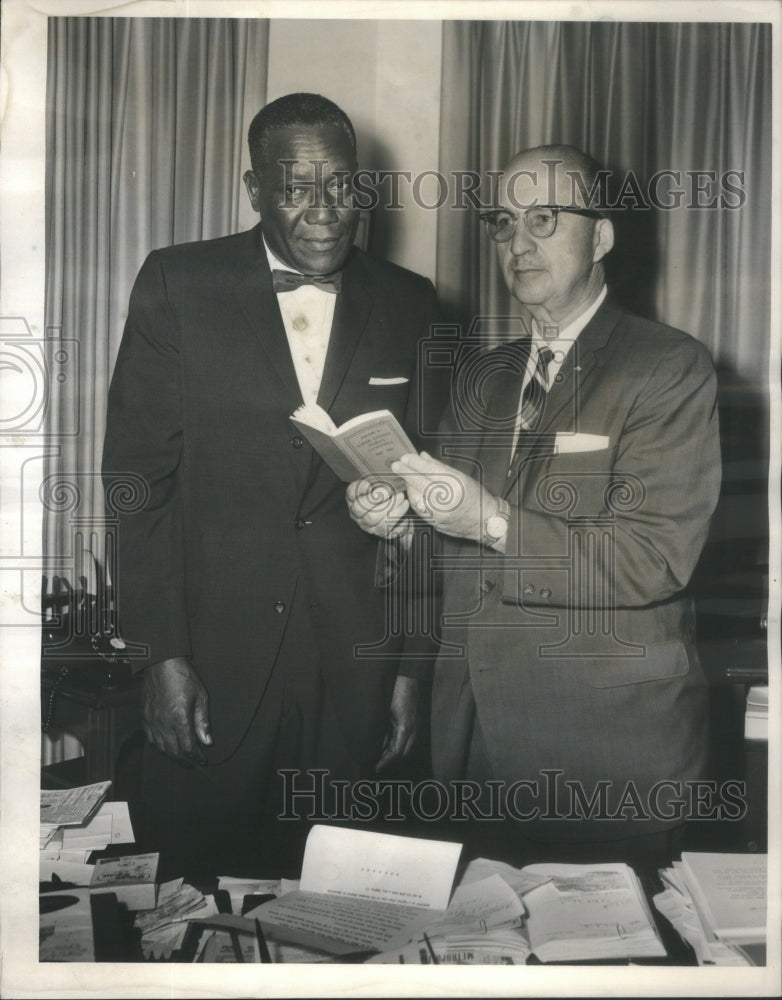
244	523
579	639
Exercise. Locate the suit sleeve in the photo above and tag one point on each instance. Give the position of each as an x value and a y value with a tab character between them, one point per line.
428	393
430	387
144	443
656	503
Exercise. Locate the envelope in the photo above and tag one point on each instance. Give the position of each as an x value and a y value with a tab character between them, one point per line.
569	443
399	380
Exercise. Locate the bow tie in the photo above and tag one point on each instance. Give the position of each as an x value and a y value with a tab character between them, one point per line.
287	281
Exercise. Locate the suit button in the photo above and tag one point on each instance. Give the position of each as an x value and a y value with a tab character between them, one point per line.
279	607
300	523
487	586
545	593
297	442
529	588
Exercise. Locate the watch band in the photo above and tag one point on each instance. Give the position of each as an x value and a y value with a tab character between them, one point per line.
496	526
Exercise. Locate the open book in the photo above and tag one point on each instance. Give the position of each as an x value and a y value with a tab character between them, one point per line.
362	890
363	446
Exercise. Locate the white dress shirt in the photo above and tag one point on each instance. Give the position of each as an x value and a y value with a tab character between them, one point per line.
307	314
560	342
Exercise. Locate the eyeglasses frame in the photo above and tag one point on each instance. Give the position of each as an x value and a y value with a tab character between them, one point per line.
485	218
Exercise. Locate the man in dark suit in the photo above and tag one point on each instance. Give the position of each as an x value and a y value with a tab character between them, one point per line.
573	507
243	574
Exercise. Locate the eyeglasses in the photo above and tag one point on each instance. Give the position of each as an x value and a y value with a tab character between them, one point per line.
540	221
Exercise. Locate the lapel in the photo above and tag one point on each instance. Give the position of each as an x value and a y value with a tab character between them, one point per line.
579	367
501	409
258	304
351	312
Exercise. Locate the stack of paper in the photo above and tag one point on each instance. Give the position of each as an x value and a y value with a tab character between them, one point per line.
756	714
72	806
482	925
163	929
65	849
589	912
717	902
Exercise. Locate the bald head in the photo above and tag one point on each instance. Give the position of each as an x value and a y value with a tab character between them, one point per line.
555	174
554	266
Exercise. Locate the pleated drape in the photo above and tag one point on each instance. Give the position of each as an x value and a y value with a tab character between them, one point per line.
637	96
146	132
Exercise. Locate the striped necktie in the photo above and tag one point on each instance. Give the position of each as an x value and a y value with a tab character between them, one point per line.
533	398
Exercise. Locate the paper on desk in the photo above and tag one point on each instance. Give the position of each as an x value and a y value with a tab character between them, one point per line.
75	872
340	924
65	927
72	806
121	827
592	911
173	906
95	835
379	866
80	855
479	906
363	890
519	880
501	947
238	888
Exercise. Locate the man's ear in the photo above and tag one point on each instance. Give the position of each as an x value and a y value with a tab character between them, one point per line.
253	185
602	239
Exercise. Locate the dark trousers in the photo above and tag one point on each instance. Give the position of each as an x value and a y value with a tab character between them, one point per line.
222	819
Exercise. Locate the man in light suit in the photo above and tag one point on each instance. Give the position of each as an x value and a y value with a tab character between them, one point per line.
243	574
573	507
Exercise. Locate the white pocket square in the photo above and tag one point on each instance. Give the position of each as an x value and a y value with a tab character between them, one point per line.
566	443
399	380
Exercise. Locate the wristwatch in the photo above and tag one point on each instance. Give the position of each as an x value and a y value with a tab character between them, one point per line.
496	526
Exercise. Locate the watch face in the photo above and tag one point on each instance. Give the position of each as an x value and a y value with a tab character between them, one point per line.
496	526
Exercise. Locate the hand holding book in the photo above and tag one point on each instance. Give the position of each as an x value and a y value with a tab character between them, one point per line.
361	453
378	508
363	446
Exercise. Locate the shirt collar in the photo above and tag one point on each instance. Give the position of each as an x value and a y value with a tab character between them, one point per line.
275	264
567	334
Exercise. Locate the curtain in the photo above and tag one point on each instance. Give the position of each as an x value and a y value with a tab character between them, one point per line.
146	131
641	97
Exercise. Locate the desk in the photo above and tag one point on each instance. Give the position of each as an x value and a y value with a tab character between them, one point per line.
117	940
98	707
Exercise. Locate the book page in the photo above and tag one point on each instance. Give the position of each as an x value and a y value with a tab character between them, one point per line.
589	911
379	867
340	924
479	906
362	889
315	416
373	444
730	889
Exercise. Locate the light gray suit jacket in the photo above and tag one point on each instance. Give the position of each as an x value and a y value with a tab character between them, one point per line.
579	640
